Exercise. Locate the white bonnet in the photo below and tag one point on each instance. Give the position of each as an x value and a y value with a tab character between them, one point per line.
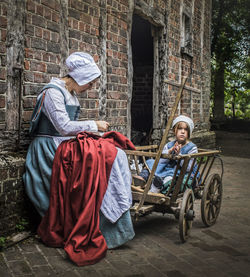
186	119
82	68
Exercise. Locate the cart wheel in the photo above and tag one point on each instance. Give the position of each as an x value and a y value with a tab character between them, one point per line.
186	214
211	200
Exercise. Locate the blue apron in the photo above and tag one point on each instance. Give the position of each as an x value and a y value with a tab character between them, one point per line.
41	153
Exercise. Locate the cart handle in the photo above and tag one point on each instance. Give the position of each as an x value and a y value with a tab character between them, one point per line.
162	144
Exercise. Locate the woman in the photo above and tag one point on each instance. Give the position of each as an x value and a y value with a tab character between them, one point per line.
54	120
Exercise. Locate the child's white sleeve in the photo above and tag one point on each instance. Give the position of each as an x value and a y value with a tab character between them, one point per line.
193	150
165	149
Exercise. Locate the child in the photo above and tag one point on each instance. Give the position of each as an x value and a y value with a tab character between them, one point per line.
182	127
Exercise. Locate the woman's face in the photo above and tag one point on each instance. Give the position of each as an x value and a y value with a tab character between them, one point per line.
181	132
85	87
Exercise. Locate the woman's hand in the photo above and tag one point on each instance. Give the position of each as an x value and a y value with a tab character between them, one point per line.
102	125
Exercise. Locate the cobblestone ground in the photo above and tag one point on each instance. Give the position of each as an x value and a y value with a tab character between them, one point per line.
156	250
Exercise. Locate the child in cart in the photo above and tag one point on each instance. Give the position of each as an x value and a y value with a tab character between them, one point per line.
182	127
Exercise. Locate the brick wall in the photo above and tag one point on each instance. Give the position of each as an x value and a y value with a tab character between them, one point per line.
53	29
36	36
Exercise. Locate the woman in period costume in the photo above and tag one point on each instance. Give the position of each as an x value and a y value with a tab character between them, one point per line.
55	188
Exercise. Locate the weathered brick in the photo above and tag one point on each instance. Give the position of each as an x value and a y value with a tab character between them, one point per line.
53	69
3	22
30	6
74	34
37	66
30	29
3	35
2	115
38	21
53	26
50	3
39	10
29	102
2	102
53	47
56	17
38	43
75	14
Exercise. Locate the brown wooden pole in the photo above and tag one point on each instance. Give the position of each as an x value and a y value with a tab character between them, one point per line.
162	144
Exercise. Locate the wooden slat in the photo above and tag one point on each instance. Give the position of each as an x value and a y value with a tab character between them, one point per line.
152	198
145	209
179	180
166	156
140	153
146	147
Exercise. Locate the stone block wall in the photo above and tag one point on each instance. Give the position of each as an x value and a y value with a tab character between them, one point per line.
12	196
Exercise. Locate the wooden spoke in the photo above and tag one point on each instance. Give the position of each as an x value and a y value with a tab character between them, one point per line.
186	215
211	200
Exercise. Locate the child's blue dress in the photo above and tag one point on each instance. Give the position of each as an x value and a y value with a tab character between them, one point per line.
166	167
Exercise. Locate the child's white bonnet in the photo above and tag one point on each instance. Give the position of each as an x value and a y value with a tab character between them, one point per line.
186	119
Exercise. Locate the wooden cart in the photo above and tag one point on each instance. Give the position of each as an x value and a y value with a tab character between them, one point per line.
184	188
179	200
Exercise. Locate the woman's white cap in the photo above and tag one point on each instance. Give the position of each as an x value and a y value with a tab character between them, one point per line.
186	119
82	68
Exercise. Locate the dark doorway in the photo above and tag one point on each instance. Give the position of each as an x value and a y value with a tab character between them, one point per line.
143	71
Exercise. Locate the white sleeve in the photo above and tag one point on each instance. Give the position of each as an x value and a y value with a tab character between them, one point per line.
54	108
165	149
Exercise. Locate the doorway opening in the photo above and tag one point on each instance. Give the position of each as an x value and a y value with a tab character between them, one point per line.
143	72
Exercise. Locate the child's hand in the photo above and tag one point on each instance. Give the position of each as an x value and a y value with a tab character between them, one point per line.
176	149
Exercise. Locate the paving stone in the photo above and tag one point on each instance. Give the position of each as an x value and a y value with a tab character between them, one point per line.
42	271
13	254
147	270
4	270
163	265
88	271
28	247
20	268
134	258
212	272
49	251
59	264
241	266
175	273
70	273
36	259
108	272
237	274
192	260
123	267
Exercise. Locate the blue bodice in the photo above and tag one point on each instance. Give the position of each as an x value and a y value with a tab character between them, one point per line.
40	124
